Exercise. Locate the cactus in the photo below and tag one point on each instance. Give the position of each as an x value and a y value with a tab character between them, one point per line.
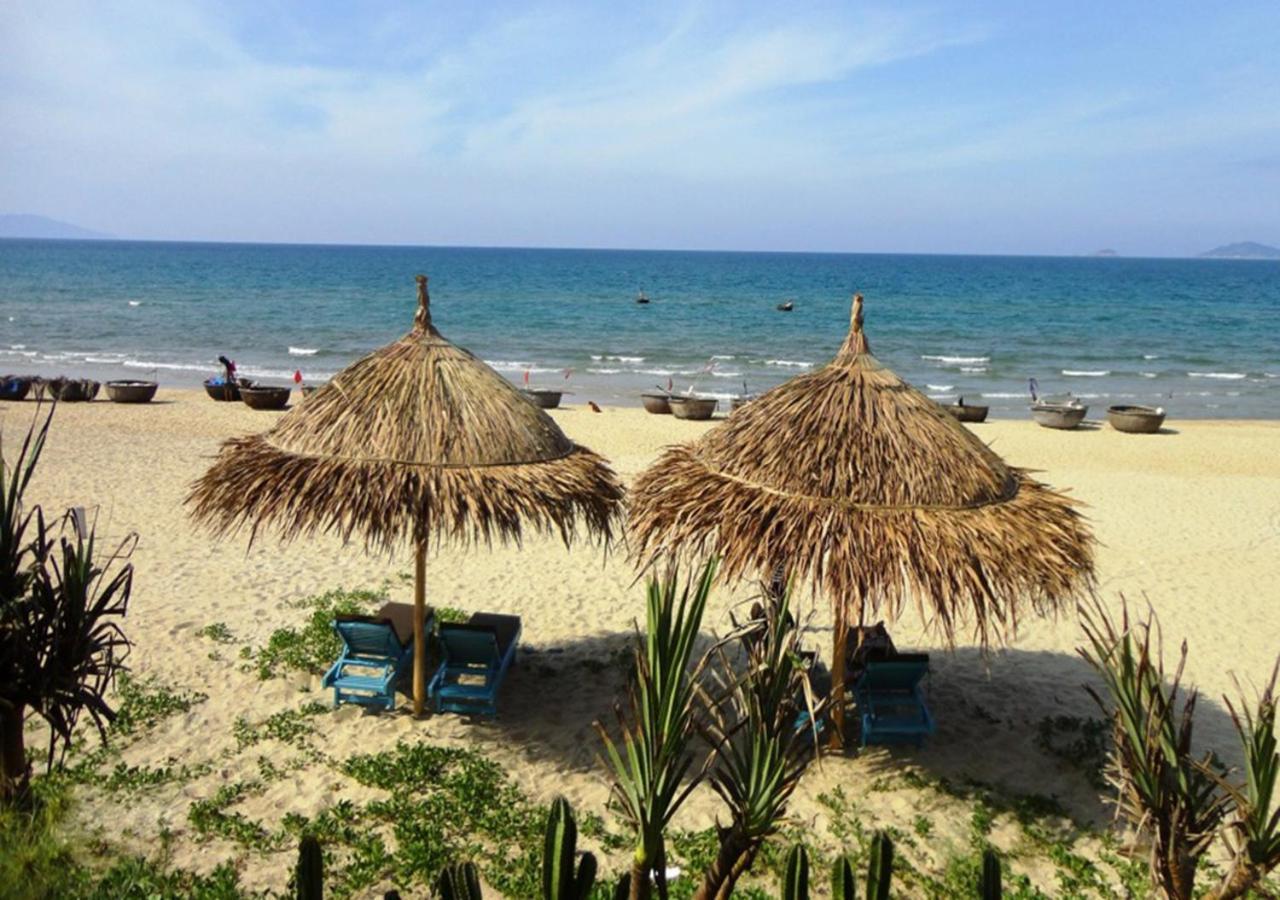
622	890
844	884
308	877
459	882
560	852
989	885
795	878
880	870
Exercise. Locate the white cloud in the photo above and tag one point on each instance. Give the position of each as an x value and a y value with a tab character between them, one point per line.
701	124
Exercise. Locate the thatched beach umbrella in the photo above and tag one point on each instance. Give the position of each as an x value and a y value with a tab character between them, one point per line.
418	441
852	480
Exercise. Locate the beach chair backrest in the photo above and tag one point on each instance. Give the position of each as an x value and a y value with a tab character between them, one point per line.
469	645
373	638
899	673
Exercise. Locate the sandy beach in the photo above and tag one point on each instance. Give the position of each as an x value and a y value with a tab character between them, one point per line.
1187	520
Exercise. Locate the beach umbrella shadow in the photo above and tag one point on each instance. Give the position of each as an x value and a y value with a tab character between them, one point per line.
1020	722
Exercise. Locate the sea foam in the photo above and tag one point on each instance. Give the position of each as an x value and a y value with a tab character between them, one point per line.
957	360
1086	373
1227	376
303	351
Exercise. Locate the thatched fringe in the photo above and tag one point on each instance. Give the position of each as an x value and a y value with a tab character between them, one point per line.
985	565
255	484
853	480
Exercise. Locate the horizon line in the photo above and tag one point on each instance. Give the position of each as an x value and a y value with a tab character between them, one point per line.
111	239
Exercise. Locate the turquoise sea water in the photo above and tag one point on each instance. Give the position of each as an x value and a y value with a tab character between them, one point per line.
1200	337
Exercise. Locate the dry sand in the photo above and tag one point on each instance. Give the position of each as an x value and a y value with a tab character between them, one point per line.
1189	520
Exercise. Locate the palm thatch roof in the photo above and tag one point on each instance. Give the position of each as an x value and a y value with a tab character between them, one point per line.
417	441
850	478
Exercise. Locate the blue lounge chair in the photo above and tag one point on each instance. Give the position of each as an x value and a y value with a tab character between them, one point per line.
891	702
475	656
377	651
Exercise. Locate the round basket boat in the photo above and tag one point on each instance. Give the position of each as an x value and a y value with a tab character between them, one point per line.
15	387
221	390
68	390
263	397
966	413
131	391
1136	419
697	408
543	397
740	401
1063	416
656	404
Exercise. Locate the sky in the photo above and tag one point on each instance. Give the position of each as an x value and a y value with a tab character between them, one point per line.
1021	128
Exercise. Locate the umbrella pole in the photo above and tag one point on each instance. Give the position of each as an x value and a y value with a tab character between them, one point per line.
836	698
419	637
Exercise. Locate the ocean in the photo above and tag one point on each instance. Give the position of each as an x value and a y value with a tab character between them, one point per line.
1199	337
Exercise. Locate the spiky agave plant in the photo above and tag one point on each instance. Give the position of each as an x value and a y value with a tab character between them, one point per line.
60	602
1167	796
1253	832
18	553
650	768
761	726
79	597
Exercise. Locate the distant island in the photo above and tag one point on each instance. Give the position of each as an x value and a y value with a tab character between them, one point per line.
1106	252
25	225
1243	250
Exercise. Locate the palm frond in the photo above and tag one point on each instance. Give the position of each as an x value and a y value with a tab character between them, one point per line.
650	766
1167	796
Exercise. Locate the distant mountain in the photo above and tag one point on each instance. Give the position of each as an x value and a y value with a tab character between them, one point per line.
1243	250
24	225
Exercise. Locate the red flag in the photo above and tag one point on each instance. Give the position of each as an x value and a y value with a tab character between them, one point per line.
526	377
297	376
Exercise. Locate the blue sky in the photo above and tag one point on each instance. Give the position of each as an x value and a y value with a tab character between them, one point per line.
1055	128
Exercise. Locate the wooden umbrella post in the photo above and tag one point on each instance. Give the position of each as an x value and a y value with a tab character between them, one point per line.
419	634
836	697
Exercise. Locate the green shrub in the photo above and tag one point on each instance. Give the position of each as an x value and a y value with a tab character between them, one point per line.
314	646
